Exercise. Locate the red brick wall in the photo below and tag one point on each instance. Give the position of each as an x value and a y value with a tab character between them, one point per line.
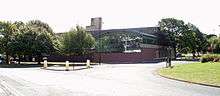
145	55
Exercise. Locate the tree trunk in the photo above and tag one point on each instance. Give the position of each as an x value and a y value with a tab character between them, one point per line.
38	59
174	52
198	55
7	58
19	59
194	54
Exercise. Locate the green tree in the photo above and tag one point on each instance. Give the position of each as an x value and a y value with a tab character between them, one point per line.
44	40
214	44
192	40
7	30
19	44
173	28
77	42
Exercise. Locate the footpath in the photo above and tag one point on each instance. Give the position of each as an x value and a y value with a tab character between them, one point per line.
4	90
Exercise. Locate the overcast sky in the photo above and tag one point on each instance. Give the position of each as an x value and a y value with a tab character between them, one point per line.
61	15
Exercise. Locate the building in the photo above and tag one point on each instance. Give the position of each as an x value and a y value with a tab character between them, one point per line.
146	44
128	45
96	24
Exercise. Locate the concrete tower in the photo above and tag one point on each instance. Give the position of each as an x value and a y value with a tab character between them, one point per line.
96	24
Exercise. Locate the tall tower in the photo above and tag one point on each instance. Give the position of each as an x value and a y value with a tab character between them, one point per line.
96	24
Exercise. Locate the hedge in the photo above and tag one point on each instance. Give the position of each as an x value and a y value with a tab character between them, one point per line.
210	57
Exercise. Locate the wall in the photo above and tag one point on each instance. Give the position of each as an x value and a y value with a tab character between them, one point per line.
146	55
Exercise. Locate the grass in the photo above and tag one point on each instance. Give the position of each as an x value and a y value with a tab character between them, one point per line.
206	73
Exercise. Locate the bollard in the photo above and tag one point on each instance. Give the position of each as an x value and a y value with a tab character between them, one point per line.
67	65
45	64
88	63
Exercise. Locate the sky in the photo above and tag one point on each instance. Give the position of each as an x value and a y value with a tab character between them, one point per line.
62	15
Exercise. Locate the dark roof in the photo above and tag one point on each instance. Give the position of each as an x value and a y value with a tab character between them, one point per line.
147	31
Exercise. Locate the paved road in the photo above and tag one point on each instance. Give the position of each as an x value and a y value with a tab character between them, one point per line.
104	80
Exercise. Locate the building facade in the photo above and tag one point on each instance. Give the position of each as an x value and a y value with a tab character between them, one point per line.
128	45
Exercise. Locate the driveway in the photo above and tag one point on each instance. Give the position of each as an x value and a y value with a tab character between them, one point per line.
101	80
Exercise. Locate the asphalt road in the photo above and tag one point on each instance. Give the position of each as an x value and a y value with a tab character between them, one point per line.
101	80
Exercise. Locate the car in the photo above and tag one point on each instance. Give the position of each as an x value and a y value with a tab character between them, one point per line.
0	61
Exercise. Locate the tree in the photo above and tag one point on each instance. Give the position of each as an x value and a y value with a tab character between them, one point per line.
192	40
174	28
7	30
19	44
43	39
77	42
214	44
210	36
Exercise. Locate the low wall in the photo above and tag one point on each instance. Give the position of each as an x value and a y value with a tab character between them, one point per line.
62	58
146	55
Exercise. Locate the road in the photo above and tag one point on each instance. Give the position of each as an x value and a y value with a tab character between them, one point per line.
101	80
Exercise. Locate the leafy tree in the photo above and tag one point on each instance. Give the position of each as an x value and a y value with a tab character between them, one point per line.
210	36
192	40
40	26
7	30
77	42
214	44
43	39
19	44
173	28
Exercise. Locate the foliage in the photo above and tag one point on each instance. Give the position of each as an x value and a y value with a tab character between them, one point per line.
192	40
173	28
34	38
7	30
42	36
214	44
39	26
184	37
210	57
210	36
77	42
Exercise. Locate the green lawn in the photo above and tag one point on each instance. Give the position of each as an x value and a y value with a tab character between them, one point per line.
206	73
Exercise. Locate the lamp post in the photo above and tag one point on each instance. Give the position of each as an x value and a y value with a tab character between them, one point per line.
169	57
99	49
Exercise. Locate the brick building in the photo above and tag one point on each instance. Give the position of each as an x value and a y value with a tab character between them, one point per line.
151	47
128	45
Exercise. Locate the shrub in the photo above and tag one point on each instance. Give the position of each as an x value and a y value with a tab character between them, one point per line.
210	57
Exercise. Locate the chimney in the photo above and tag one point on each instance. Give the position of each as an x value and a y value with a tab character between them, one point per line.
96	24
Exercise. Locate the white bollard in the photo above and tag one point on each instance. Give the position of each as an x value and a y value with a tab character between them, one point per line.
67	65
88	63
45	64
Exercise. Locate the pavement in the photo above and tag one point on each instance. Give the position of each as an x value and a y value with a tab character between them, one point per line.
4	91
101	80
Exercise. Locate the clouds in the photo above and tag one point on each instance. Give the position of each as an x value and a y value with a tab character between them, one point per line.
63	14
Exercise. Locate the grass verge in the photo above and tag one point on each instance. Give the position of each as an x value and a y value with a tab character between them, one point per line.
204	73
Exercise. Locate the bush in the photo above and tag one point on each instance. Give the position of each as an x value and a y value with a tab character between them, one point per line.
210	57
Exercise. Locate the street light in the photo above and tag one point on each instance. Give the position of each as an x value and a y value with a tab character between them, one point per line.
169	57
99	49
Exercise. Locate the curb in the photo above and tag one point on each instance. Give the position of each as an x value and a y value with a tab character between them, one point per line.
9	88
209	85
